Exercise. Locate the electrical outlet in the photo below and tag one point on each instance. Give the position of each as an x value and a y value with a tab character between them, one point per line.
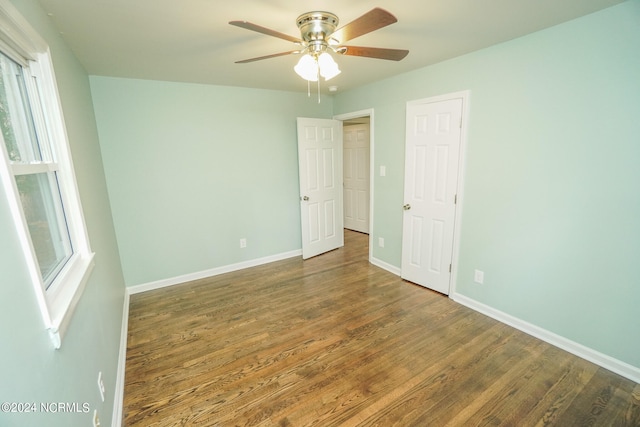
243	243
478	276
383	171
96	420
381	242
101	385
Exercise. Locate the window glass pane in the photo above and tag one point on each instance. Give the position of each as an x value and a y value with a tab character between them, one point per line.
16	118
42	208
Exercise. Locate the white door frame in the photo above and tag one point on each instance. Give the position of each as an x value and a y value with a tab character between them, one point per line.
355	115
465	95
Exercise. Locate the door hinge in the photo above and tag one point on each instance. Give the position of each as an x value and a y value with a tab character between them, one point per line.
460	122
455	199
449	268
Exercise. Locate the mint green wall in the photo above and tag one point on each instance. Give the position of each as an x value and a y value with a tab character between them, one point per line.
192	169
32	371
551	209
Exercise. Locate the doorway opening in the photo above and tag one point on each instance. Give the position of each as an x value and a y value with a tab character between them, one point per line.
358	150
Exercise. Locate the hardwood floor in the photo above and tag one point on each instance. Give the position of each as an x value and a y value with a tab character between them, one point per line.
336	341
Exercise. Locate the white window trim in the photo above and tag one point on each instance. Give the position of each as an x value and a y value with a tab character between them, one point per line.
57	304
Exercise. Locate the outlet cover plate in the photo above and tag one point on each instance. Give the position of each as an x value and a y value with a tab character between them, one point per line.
101	385
478	276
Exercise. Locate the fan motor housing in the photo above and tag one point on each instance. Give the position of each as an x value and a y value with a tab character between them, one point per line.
316	26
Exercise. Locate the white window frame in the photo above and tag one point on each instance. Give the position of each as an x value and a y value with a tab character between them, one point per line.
23	44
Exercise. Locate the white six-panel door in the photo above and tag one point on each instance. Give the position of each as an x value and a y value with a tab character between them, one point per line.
433	138
356	177
320	173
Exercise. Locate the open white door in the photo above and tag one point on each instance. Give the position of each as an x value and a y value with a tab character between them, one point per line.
431	175
356	177
320	169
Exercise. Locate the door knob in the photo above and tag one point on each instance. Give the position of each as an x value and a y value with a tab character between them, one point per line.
406	207
305	198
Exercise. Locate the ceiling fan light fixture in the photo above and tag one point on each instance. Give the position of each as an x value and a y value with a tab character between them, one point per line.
328	66
307	68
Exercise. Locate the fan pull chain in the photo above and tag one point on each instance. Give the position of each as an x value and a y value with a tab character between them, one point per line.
309	87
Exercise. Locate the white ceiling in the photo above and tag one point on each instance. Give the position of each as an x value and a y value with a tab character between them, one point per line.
191	40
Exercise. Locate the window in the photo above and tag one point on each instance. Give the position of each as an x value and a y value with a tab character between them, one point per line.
37	173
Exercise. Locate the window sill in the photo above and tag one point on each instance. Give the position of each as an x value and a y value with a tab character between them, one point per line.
62	305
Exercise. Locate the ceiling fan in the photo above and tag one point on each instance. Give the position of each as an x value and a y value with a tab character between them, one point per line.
319	37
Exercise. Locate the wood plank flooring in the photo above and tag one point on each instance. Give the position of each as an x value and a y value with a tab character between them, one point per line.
336	341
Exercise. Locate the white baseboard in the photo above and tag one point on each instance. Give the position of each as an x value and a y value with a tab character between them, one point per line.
136	289
118	400
619	367
385	266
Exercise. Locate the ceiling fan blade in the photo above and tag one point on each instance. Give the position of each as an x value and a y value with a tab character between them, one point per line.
370	21
259	58
257	28
374	52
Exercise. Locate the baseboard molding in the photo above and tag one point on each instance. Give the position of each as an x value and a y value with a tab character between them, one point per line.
619	367
385	266
118	400
136	289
